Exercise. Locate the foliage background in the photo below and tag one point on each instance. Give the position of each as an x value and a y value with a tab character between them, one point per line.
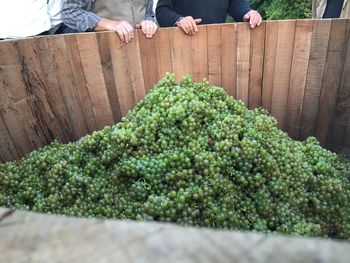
283	9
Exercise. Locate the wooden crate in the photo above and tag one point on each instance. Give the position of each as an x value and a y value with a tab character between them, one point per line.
66	86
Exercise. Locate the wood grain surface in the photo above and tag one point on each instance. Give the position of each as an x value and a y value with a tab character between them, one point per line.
65	86
30	237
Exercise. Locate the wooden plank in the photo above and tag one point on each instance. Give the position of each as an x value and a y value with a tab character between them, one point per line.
81	84
181	53
346	141
317	61
33	237
298	75
342	111
332	78
257	45
8	151
91	63
136	74
121	69
163	42
243	62
150	59
284	55
271	28
77	126
108	74
39	129
214	54
200	54
229	58
47	58
13	106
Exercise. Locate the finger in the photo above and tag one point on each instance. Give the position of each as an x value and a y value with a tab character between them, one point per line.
194	26
138	26
260	21
126	34
198	20
183	27
149	31
144	28
130	31
120	34
189	27
154	29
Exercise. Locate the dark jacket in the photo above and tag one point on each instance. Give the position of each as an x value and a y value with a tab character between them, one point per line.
210	11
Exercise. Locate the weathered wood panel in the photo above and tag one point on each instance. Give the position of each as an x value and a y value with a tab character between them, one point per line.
281	77
30	237
317	61
332	78
301	53
66	86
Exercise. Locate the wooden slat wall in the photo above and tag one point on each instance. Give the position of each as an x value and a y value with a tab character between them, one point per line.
67	86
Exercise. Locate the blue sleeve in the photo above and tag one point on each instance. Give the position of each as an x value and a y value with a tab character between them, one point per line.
238	8
165	14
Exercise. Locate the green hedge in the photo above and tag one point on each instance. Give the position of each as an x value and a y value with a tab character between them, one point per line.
282	9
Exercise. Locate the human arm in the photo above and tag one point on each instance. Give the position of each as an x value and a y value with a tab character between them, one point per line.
240	10
166	16
77	15
148	25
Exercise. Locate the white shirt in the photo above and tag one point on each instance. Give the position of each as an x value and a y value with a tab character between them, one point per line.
23	18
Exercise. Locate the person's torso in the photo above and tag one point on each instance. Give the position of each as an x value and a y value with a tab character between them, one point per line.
132	11
321	6
210	11
20	18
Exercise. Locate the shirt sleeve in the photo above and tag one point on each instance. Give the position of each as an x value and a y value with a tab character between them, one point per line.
166	16
77	15
149	11
238	8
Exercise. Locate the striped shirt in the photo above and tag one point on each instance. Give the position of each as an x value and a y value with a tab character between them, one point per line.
77	14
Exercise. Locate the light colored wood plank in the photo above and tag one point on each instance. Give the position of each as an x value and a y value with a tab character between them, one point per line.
332	77
61	123
283	62
121	69
108	74
214	54
229	58
271	28
243	62
164	52
257	45
342	111
77	126
317	61
150	59
181	53
298	75
136	74
200	54
81	84
91	62
29	237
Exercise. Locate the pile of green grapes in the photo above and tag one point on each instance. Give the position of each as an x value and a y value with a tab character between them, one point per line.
190	154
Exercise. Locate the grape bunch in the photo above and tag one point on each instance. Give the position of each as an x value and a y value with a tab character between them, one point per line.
192	155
